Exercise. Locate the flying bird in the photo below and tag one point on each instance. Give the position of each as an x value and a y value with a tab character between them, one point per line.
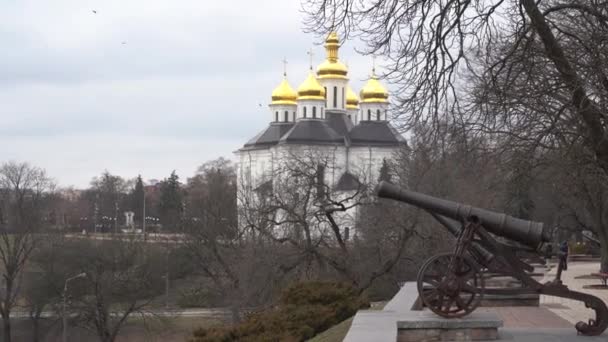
94	11
123	43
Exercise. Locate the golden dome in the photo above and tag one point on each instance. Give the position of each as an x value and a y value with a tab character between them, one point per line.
352	100
374	91
284	94
311	89
332	67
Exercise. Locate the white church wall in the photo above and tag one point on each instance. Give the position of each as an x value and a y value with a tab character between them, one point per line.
367	160
337	88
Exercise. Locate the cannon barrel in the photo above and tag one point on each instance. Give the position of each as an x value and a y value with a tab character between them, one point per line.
529	233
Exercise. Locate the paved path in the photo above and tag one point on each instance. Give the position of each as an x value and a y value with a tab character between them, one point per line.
523	317
203	313
571	310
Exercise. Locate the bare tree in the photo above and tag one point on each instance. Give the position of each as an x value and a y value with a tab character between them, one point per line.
22	191
315	220
122	279
240	270
529	74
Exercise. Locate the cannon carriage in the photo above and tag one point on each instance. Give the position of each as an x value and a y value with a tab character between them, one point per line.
453	284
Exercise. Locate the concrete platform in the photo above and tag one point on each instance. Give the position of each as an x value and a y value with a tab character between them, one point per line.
424	326
519	323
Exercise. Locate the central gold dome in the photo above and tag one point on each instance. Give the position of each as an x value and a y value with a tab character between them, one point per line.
332	67
374	91
311	89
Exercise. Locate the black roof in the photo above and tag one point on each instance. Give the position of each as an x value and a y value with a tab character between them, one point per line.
311	131
347	182
271	135
339	122
375	133
336	128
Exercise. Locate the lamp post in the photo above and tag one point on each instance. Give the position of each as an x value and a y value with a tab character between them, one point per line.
143	223
65	295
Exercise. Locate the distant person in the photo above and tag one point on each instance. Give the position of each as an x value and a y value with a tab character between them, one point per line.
563	259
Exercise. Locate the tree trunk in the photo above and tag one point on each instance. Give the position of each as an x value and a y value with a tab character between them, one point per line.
603	237
35	329
236	313
6	320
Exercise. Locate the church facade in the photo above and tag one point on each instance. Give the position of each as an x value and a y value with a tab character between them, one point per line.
326	118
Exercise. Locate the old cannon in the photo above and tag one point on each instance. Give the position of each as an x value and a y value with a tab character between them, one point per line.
452	284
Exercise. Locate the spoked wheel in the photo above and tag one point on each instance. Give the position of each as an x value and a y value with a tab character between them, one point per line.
451	286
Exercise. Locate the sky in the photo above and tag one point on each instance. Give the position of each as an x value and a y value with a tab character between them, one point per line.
145	86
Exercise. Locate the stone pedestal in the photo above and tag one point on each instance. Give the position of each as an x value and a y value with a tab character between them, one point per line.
426	327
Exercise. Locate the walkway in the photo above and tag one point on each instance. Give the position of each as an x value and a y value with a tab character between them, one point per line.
571	310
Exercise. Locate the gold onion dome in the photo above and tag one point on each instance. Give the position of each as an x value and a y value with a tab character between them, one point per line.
284	94
352	100
311	89
374	91
332	67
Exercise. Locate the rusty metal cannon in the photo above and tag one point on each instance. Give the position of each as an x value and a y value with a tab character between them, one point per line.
452	284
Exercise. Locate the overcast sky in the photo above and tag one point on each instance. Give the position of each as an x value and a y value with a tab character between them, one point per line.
144	86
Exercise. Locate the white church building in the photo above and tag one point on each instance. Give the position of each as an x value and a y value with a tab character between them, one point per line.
326	116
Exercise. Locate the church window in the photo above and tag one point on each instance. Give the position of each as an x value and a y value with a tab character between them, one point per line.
369	114
321	112
314	112
335	97
378	114
325	95
286	118
304	111
349	118
276	116
294	116
342	103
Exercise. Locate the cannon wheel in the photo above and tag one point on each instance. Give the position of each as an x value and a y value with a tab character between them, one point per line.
450	294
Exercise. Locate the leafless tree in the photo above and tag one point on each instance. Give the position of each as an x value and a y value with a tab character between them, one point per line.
296	208
22	191
240	270
121	280
526	74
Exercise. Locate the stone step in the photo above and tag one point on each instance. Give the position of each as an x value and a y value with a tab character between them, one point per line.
426	326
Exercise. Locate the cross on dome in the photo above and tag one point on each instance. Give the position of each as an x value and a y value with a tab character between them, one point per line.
310	53
284	66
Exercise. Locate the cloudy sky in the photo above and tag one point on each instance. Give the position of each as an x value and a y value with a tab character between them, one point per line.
144	86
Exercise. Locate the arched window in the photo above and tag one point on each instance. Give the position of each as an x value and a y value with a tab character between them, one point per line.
342	103
304	111
335	97
321	112
276	116
378	114
286	118
325	96
369	114
294	116
314	112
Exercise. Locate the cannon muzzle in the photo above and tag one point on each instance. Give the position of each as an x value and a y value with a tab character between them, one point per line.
526	232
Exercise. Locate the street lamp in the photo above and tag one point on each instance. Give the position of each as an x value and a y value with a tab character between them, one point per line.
65	295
